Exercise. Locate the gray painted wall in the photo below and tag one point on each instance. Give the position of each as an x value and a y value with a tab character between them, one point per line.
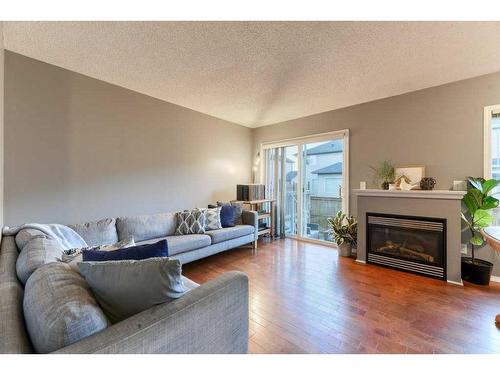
77	149
439	127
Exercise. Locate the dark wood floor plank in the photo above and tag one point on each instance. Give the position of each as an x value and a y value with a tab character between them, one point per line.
304	298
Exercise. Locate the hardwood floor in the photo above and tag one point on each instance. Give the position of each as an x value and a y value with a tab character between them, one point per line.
304	298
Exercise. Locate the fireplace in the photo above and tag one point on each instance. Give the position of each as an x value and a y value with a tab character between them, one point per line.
408	243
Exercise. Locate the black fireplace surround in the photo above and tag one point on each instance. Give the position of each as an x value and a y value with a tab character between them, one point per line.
408	243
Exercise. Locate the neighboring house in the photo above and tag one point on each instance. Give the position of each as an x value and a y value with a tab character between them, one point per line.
328	181
324	169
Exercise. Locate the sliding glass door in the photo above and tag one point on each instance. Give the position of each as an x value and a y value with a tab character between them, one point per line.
322	186
308	177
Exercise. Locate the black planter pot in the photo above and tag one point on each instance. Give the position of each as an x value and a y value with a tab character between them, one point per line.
478	272
385	185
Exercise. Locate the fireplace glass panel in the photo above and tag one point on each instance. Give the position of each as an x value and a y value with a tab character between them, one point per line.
415	245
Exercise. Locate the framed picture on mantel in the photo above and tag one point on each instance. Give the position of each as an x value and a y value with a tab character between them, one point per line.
413	172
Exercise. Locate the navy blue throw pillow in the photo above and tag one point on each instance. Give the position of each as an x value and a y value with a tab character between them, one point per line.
228	216
158	249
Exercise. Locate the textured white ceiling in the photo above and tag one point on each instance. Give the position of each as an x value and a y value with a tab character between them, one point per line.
259	73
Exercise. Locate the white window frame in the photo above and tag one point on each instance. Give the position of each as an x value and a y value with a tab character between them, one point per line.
487	139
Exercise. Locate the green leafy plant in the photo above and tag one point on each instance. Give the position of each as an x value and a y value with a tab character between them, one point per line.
344	228
478	202
384	173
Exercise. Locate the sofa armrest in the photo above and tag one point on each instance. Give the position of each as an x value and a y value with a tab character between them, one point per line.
212	318
251	218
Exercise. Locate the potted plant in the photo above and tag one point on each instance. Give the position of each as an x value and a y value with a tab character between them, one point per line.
384	174
345	232
478	202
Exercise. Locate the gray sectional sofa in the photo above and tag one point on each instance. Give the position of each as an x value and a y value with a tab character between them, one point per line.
209	318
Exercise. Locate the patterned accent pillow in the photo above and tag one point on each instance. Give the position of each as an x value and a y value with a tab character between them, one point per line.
190	222
212	218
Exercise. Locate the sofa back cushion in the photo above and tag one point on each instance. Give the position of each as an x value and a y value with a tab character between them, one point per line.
146	227
37	252
59	308
95	233
26	235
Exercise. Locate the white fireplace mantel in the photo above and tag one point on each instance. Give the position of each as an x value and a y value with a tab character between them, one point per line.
426	194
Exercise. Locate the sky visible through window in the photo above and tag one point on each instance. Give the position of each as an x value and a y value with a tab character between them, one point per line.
495	147
495	160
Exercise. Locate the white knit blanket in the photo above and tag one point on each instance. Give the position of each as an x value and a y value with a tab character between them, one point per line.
67	237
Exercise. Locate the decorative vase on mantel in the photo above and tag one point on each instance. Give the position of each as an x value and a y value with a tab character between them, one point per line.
427	183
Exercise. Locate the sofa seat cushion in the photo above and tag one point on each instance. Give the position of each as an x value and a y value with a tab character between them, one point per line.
146	227
36	253
95	233
182	243
59	308
226	234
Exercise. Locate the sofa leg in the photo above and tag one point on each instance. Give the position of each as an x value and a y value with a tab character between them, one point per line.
255	246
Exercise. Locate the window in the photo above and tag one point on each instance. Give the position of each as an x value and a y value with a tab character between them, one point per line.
492	150
312	160
302	204
330	185
315	185
492	142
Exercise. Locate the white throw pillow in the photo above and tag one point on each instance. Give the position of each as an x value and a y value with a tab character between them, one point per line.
212	218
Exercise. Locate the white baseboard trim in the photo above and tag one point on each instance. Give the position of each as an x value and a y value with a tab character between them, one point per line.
455	282
495	279
360	261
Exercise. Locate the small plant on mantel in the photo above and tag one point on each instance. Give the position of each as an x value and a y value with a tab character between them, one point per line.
345	232
384	174
478	202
